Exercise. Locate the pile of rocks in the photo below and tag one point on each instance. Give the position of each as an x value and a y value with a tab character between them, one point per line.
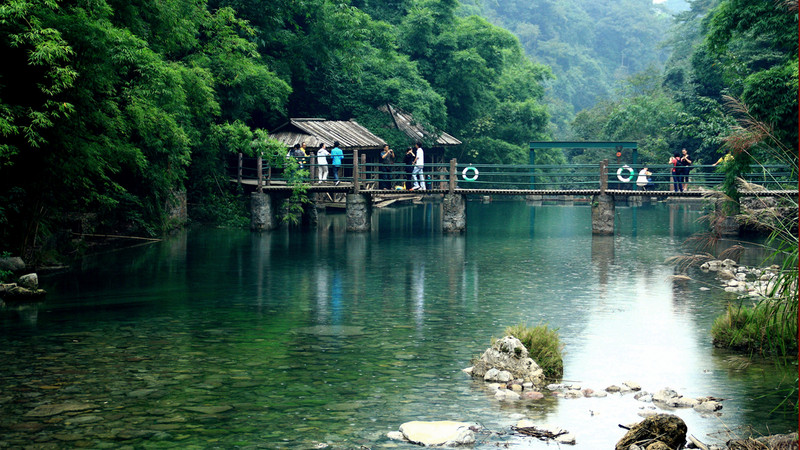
752	281
26	288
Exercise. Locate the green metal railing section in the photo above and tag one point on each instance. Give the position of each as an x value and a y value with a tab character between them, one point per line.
523	177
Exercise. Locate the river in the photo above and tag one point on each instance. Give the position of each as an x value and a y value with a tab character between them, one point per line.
220	338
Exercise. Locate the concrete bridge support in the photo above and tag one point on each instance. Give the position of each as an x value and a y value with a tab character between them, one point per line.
262	212
358	210
454	213
603	215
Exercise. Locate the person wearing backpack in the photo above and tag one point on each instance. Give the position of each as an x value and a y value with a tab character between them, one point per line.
675	162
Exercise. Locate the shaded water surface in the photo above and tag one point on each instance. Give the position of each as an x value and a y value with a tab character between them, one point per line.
291	339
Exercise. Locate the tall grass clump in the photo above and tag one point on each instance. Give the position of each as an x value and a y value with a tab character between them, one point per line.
765	328
544	346
769	326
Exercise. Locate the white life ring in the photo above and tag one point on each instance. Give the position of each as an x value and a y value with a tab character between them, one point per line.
469	173
630	173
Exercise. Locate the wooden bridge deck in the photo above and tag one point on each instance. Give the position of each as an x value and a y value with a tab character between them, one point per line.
347	188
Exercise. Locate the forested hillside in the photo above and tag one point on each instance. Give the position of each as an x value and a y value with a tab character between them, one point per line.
734	63
109	108
591	45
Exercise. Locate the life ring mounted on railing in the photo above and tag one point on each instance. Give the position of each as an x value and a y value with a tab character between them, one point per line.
630	174
469	173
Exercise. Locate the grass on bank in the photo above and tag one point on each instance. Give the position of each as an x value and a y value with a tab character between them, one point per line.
544	346
766	328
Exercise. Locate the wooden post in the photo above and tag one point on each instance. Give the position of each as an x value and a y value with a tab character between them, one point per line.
259	173
603	176
364	165
355	172
312	167
239	170
453	165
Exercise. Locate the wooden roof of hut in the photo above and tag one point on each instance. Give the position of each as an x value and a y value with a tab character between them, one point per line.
314	132
404	122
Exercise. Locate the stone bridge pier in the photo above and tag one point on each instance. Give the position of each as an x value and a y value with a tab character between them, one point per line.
262	212
603	206
454	213
359	210
603	212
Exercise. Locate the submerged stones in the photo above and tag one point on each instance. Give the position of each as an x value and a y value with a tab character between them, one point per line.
743	280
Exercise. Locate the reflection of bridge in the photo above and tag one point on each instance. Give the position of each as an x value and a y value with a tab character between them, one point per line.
604	184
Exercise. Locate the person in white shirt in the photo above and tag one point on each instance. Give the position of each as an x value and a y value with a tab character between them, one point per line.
643	180
419	164
322	163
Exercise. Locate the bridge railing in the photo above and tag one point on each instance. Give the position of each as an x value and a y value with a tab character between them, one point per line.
454	175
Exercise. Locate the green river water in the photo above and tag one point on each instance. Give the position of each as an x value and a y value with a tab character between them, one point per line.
218	338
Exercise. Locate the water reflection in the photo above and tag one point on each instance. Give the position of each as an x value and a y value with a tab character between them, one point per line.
329	337
603	259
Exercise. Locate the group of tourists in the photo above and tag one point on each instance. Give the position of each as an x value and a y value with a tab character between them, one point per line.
414	162
681	165
301	155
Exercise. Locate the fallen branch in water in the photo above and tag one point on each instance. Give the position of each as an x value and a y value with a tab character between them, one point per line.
537	433
115	236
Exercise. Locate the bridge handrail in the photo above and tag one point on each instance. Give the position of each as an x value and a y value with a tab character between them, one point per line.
529	176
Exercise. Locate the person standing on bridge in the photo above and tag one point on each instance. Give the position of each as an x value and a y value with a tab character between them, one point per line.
408	162
336	160
675	162
387	160
419	165
322	163
686	166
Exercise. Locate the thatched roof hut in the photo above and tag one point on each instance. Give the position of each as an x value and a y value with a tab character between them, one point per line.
404	122
313	132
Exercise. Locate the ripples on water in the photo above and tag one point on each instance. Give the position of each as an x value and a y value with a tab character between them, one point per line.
291	339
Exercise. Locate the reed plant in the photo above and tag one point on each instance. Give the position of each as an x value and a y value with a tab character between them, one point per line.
768	326
544	346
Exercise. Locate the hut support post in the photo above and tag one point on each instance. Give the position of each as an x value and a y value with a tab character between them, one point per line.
259	174
239	170
452	187
356	188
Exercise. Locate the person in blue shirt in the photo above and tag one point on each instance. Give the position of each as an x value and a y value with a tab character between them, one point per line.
336	160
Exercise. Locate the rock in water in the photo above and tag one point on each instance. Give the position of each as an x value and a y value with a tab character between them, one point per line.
446	432
666	428
29	281
509	354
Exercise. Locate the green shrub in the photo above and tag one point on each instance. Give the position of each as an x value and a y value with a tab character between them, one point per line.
544	347
767	328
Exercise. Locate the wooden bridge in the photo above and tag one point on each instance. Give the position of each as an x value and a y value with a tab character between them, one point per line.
604	184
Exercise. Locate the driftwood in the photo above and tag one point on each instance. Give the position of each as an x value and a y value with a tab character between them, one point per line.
544	435
115	236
